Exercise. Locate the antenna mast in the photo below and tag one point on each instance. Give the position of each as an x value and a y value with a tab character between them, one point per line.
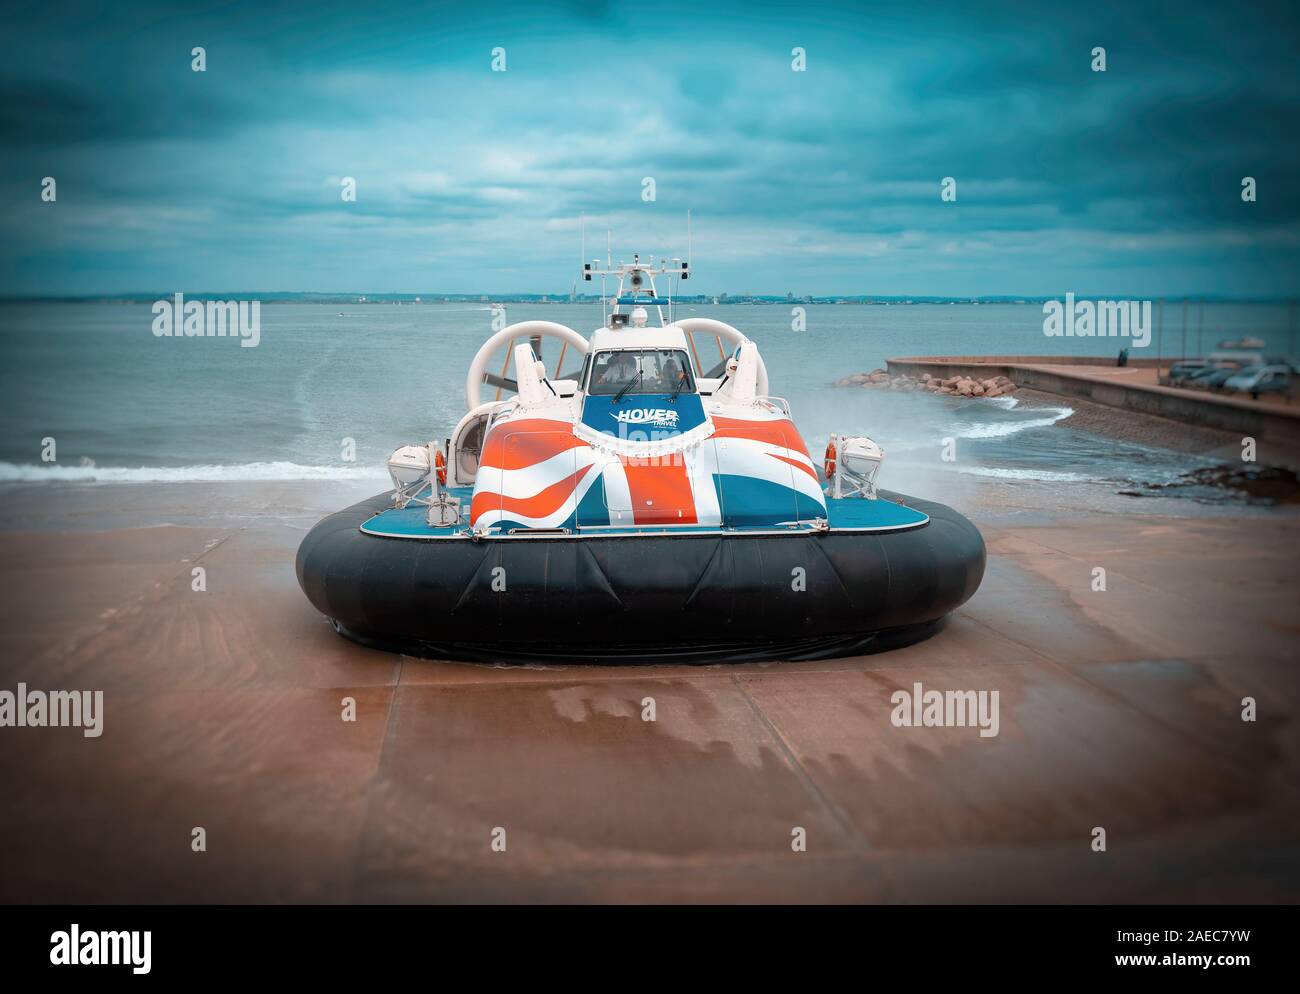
640	274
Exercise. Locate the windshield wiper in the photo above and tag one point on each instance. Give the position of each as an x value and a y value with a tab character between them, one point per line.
628	386
677	389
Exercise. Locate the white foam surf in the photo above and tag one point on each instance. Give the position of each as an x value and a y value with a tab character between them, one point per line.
1004	429
987	429
256	472
1043	475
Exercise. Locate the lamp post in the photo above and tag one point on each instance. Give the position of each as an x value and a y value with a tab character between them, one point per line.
1183	352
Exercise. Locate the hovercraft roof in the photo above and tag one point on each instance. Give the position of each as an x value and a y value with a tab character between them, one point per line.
668	337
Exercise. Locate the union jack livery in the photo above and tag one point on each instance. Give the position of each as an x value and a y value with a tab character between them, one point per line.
655	456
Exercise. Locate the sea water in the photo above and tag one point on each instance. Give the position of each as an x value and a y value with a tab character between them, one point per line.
332	388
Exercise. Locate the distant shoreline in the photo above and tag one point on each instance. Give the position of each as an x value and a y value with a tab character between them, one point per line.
711	300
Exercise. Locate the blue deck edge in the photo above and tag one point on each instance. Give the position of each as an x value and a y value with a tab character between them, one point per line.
847	514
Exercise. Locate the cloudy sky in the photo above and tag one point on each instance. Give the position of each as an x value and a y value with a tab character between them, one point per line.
823	181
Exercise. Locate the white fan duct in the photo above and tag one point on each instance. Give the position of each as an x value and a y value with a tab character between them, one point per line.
732	337
522	331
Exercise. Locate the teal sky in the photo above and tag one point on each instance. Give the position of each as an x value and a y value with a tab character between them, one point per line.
824	181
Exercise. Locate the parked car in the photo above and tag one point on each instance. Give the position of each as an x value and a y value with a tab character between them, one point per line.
1186	368
1219	377
1260	379
1202	377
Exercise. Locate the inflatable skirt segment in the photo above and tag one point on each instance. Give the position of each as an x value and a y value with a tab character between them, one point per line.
640	599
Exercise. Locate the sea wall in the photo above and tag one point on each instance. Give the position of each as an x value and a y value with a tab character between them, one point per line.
1069	377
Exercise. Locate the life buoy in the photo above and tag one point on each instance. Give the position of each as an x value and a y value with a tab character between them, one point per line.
830	460
440	466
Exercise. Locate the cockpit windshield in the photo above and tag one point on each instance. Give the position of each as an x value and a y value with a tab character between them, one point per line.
641	371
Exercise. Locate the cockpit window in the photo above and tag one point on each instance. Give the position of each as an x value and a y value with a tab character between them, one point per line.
646	370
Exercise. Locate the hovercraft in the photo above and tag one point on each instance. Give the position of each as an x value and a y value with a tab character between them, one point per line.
647	507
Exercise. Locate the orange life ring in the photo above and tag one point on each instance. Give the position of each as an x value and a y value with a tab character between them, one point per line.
440	466
829	465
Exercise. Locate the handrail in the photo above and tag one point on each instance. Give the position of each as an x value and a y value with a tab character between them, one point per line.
780	402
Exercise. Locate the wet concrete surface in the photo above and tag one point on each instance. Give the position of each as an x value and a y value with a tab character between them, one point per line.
1118	709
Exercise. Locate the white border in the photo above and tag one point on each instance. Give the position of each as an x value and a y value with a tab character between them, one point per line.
579	536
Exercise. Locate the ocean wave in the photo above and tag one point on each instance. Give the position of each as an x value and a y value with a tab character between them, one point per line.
1003	429
1044	475
255	472
987	429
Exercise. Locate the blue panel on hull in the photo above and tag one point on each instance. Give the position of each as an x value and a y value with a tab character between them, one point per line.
592	509
750	502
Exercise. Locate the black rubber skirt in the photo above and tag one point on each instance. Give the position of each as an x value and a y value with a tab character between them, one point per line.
681	599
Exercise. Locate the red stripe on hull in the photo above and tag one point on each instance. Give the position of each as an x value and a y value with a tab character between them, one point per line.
782	433
520	444
796	464
541	505
661	494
